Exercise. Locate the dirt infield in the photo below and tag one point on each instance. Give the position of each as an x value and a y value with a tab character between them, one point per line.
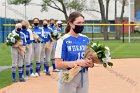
124	77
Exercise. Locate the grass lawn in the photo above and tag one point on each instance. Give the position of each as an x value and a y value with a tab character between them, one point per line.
118	50
5	55
5	78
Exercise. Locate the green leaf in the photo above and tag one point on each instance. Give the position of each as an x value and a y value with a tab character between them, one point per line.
95	48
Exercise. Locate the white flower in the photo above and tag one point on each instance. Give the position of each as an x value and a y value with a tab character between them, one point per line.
10	35
59	35
106	60
107	48
13	40
94	44
15	34
55	32
7	40
107	51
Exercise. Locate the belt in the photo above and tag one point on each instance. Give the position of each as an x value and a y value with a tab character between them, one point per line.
37	42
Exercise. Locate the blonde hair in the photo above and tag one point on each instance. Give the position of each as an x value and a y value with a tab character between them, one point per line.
18	25
27	23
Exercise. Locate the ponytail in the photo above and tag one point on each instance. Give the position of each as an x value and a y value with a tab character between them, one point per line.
67	28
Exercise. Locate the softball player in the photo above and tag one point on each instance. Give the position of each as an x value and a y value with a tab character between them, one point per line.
59	26
53	43
45	53
29	38
52	24
70	52
17	59
36	48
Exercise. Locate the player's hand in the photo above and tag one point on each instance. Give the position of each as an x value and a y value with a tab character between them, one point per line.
15	45
90	63
82	63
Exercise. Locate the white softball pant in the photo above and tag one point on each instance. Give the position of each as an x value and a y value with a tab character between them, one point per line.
36	51
28	54
75	85
17	59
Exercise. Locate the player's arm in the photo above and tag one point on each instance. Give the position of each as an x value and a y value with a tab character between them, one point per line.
60	64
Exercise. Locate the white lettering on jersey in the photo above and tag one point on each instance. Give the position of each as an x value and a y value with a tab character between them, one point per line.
76	48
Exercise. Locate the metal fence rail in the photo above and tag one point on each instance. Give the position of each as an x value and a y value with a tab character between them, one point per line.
87	25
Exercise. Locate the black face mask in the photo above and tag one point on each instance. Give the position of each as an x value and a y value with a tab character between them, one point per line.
45	25
36	24
60	25
18	29
52	24
78	28
23	27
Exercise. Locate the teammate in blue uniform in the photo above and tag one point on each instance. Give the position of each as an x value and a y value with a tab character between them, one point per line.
36	51
45	53
17	59
69	52
52	24
53	43
29	37
59	26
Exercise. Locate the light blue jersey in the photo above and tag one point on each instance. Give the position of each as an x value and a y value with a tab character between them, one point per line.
70	48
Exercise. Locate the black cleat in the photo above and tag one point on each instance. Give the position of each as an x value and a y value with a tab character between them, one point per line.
22	80
48	73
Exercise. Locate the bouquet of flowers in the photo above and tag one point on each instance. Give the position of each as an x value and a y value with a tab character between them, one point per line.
36	37
99	54
55	35
13	39
102	52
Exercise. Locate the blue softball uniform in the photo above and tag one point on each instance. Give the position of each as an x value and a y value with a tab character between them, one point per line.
22	36
53	27
39	32
70	48
47	32
28	35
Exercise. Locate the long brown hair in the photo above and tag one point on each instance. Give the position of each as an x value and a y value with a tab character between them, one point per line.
71	19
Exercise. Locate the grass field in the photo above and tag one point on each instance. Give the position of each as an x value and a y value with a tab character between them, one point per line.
5	55
118	50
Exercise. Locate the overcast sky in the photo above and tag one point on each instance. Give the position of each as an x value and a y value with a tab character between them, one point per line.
34	11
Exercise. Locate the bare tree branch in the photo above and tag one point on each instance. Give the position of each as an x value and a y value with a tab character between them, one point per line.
93	10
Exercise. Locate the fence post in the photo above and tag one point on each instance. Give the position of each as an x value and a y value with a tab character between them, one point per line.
92	32
123	33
